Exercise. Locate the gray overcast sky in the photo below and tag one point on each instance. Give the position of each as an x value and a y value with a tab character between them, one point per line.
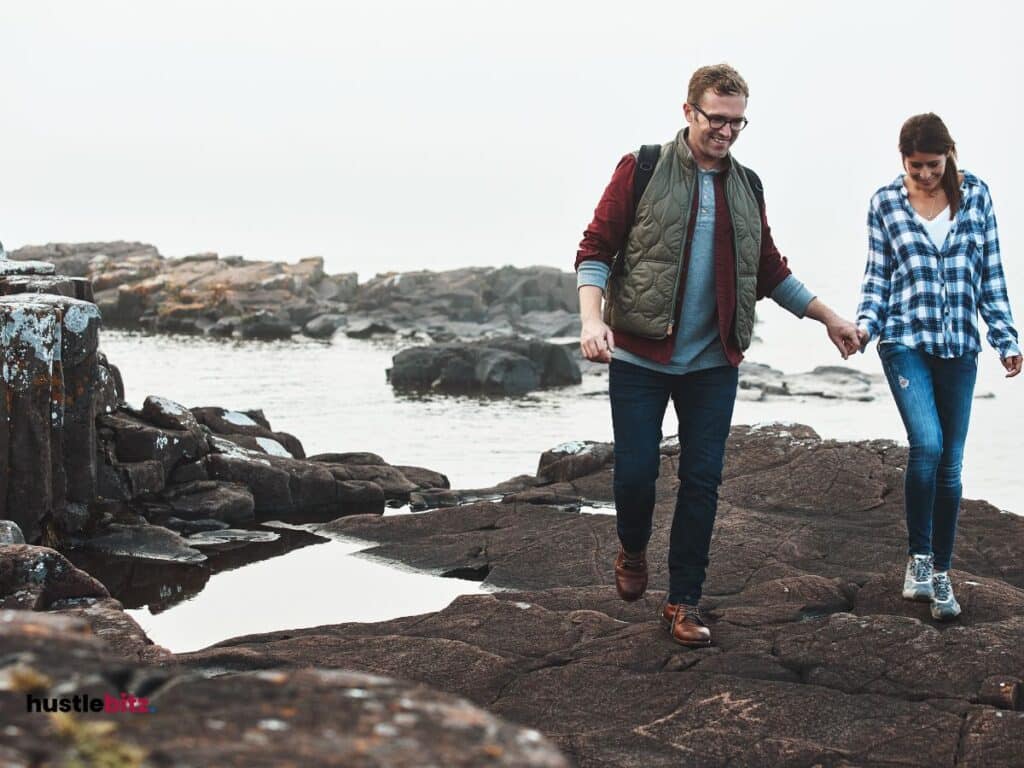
403	135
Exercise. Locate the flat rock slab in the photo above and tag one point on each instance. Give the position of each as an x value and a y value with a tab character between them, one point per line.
143	542
815	661
309	717
611	689
830	382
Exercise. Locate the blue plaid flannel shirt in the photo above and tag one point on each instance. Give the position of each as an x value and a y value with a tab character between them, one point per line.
914	295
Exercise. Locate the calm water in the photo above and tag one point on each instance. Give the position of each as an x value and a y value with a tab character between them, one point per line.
334	397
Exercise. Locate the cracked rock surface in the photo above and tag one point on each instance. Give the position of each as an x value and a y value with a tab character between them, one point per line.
817	660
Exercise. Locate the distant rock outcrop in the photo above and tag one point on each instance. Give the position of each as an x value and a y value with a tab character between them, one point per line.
137	287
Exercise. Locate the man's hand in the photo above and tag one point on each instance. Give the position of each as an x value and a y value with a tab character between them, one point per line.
843	333
597	341
1012	365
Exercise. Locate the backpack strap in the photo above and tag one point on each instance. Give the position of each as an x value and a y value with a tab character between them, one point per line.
755	183
646	160
644	170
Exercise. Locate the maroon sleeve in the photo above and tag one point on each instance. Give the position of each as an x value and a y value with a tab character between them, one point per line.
772	268
613	217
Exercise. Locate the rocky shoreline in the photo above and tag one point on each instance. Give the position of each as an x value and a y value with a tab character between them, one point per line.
483	331
817	661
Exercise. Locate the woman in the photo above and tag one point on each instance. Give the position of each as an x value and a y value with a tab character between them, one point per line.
933	264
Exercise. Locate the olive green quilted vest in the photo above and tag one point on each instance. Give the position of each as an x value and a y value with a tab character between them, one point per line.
643	290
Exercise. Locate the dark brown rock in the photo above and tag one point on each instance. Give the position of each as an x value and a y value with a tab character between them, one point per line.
142	542
571	460
803	601
360	458
509	366
258	718
136	441
424	478
227	502
34	578
225	422
47	407
167	414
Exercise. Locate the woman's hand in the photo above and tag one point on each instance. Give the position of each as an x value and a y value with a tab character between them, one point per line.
862	337
1012	365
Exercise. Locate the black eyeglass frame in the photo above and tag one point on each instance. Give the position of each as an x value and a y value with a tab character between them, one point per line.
718	122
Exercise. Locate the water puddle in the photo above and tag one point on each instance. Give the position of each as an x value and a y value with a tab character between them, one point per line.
285	577
299	580
597	508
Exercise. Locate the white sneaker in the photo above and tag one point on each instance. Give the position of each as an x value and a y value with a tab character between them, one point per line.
917	581
944	605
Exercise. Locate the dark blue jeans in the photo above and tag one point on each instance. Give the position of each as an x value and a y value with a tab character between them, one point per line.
933	395
703	401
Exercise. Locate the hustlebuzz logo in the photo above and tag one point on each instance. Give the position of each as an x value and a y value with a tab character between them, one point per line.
123	704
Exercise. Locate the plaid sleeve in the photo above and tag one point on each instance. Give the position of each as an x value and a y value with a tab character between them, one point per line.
874	291
994	304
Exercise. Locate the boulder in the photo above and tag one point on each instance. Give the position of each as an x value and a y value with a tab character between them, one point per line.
226	422
496	367
34	578
324	326
47	407
265	325
210	500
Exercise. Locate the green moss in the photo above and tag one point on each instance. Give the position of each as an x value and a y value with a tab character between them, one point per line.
95	745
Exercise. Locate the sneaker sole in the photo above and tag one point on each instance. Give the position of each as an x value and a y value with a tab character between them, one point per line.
918	595
946	616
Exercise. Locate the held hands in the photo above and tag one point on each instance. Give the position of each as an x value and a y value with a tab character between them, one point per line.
597	341
1012	365
845	335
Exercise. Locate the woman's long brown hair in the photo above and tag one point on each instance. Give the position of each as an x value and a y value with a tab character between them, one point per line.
927	133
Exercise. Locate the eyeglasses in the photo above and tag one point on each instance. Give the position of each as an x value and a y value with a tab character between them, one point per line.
717	122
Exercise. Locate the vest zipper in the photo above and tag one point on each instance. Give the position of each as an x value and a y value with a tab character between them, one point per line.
682	258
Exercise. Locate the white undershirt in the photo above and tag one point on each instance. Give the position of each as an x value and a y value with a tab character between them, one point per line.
938	227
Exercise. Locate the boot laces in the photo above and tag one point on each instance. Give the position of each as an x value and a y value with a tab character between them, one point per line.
633	562
690	613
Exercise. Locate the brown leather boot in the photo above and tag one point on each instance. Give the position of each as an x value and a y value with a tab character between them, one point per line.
685	625
631	574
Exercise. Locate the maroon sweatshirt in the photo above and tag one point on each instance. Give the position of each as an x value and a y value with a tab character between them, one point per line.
606	236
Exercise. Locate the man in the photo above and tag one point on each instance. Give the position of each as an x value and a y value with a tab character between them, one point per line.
683	269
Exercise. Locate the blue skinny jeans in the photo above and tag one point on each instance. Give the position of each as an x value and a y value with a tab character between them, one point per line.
933	395
704	403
